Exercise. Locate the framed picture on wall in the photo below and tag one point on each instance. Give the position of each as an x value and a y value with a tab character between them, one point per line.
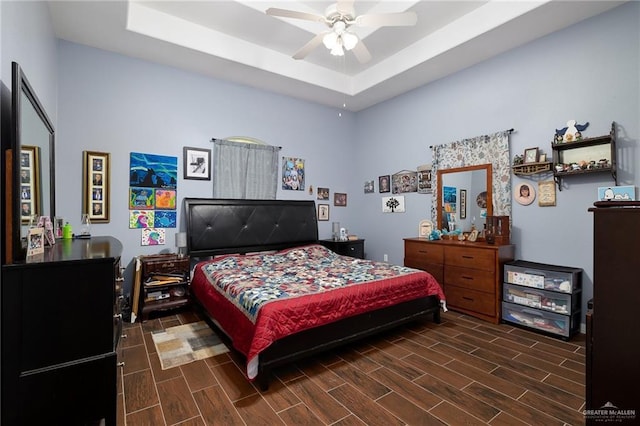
96	185
196	163
463	204
323	211
547	193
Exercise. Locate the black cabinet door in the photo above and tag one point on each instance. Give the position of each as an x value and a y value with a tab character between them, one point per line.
67	313
615	349
79	393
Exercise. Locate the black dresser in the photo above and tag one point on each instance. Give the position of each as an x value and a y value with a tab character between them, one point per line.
613	343
60	330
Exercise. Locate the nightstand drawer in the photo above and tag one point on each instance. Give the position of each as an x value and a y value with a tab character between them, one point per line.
166	266
352	248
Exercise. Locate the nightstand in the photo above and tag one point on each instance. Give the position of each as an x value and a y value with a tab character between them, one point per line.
353	248
163	283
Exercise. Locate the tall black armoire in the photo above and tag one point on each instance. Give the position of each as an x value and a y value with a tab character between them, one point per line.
613	332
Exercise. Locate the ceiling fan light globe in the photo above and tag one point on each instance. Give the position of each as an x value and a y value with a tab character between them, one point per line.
337	50
349	40
330	40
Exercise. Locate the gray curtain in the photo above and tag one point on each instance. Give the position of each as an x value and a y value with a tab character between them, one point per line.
244	170
484	149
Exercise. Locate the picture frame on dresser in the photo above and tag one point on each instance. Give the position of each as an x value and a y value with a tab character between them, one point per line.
96	184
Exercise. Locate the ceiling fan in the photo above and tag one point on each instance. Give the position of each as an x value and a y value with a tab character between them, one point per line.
340	17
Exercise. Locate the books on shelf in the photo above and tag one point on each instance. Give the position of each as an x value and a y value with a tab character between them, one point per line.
156	295
163	279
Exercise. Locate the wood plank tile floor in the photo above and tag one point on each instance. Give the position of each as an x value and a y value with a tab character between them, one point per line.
462	371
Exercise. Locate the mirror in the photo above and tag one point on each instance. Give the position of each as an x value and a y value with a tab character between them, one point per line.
465	194
32	183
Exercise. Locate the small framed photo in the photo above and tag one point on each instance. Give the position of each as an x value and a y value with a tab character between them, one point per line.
323	193
196	163
323	211
96	185
384	183
531	155
463	204
29	183
368	187
340	199
35	241
547	193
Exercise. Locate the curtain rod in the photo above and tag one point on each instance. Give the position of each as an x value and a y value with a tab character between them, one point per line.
510	131
260	143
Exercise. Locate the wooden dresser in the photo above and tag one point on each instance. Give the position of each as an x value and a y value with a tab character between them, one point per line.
469	273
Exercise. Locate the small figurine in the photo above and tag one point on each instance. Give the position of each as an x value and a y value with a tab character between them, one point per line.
572	132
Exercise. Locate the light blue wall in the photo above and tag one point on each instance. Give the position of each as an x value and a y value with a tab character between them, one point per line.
588	72
107	102
112	103
27	38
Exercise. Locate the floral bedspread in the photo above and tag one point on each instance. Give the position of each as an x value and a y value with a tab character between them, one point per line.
260	298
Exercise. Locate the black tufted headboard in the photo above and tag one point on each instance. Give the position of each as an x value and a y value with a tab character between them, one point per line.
219	226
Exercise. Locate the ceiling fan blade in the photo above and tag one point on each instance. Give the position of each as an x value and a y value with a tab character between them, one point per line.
361	52
285	13
345	6
403	19
307	48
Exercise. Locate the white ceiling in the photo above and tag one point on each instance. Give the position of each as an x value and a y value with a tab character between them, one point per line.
237	41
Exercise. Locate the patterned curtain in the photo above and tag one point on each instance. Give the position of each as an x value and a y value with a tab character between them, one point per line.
485	149
243	170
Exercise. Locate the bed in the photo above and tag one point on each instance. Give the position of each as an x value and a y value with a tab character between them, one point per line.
296	298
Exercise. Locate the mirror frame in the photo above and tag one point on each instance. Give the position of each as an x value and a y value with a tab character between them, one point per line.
488	184
14	250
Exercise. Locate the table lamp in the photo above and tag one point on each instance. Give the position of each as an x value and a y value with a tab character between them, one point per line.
181	243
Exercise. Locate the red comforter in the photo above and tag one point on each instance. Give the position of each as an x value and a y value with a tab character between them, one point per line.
260	298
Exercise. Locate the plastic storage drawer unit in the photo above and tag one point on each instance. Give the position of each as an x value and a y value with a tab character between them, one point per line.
541	299
545	298
562	325
544	277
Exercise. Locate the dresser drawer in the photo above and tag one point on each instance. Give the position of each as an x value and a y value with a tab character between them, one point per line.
437	270
423	252
469	257
476	301
473	279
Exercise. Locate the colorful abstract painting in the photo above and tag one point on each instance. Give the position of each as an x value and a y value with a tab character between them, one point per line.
153	171
165	219
141	198
141	219
153	237
165	199
293	174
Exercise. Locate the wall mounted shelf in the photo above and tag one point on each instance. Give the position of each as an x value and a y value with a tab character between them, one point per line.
531	168
590	150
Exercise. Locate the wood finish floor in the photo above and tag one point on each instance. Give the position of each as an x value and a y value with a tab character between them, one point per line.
460	372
